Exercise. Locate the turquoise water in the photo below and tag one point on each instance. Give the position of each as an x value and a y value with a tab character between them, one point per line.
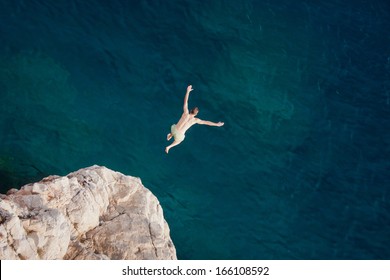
300	169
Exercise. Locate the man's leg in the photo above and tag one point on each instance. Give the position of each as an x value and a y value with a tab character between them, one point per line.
175	143
169	136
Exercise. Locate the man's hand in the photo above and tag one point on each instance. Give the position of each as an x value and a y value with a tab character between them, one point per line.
185	106
220	124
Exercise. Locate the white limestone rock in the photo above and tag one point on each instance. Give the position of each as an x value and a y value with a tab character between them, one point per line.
94	213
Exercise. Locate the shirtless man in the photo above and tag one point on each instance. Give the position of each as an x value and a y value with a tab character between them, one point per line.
186	121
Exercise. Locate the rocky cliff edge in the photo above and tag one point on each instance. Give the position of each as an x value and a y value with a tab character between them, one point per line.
93	213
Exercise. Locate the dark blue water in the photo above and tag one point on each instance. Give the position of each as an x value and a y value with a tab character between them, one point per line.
299	171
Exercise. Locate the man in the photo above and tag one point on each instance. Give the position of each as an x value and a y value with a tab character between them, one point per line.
186	121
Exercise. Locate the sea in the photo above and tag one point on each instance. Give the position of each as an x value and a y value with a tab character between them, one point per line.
299	171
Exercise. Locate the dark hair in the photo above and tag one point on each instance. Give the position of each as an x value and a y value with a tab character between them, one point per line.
193	110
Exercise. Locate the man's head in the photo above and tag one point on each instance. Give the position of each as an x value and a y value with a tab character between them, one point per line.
194	111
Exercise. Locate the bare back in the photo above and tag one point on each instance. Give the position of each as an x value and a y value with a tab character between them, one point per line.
186	121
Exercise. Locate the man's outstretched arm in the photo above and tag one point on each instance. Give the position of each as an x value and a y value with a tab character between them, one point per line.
210	123
185	107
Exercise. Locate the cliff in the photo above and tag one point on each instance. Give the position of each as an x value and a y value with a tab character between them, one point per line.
94	213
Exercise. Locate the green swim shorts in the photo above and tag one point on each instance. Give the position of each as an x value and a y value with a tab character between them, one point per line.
178	136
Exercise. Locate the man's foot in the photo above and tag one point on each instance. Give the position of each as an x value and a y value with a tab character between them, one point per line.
166	149
169	136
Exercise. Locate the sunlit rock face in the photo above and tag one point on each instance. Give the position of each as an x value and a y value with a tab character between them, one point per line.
93	213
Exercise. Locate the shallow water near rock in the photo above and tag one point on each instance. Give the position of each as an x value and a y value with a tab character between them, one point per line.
300	169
